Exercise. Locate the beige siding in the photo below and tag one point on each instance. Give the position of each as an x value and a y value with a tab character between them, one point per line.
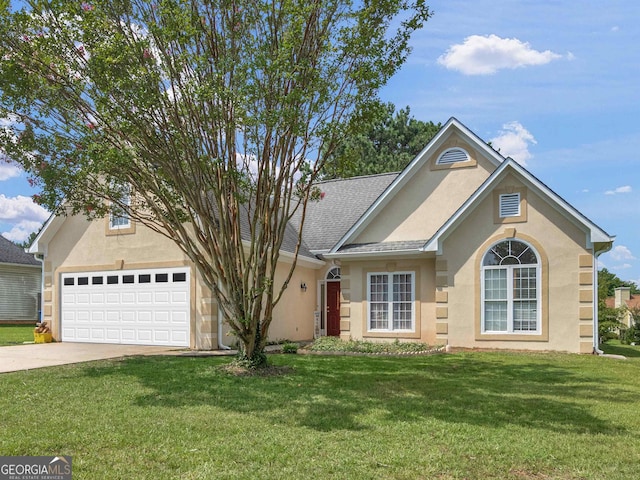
19	291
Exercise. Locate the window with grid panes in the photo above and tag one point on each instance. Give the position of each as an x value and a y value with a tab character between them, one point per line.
511	289
391	301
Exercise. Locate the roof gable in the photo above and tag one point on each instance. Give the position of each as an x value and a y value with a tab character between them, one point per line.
594	234
436	148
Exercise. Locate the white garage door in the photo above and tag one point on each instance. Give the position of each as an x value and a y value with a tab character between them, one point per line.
139	307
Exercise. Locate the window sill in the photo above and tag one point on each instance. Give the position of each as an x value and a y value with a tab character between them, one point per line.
513	337
391	334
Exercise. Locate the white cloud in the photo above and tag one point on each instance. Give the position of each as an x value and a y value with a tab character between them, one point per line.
8	170
16	210
485	55
620	253
514	141
623	189
21	231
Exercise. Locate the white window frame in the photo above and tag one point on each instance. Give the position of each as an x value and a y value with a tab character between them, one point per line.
510	269
390	303
122	216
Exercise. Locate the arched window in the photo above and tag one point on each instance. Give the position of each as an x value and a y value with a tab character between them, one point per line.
511	288
334	274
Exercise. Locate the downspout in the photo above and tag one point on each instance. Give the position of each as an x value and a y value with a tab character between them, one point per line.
596	339
41	311
221	346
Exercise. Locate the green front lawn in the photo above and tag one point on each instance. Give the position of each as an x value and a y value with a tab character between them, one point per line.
16	334
455	416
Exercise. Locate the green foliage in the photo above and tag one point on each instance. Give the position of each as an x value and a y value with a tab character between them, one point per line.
335	344
387	143
207	111
608	322
608	282
631	335
290	347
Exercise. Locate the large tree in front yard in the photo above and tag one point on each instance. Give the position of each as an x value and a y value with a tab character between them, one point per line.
212	117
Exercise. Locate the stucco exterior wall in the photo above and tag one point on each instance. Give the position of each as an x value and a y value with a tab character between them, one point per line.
80	245
354	301
293	317
567	294
448	295
429	198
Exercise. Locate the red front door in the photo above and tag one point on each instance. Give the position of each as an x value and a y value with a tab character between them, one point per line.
333	309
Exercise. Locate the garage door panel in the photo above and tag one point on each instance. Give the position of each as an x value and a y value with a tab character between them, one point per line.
112	298
179	318
162	298
82	299
97	299
82	334
128	335
112	335
179	298
145	298
128	297
130	306
97	334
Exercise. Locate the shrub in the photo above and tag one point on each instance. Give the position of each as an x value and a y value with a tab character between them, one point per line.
631	335
334	344
290	347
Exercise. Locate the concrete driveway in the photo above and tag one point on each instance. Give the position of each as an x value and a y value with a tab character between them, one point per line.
26	357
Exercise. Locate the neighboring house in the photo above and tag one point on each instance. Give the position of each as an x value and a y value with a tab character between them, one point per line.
20	284
463	247
623	299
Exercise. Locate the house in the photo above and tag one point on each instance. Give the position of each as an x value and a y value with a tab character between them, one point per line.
463	247
623	299
20	284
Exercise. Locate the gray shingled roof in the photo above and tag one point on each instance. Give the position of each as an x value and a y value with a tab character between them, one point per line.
11	253
344	202
289	241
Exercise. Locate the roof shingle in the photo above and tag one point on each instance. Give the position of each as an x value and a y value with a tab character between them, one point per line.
11	253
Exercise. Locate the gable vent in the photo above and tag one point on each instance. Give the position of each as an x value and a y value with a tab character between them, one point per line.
510	205
452	155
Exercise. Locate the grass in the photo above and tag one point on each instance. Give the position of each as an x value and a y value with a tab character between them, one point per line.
617	348
469	415
16	334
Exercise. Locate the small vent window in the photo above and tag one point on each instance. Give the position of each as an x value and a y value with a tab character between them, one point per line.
510	205
452	155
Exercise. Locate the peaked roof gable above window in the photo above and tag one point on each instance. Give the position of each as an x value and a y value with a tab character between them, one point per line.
594	234
452	126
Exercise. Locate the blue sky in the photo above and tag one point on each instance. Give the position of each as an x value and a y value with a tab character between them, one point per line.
554	84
